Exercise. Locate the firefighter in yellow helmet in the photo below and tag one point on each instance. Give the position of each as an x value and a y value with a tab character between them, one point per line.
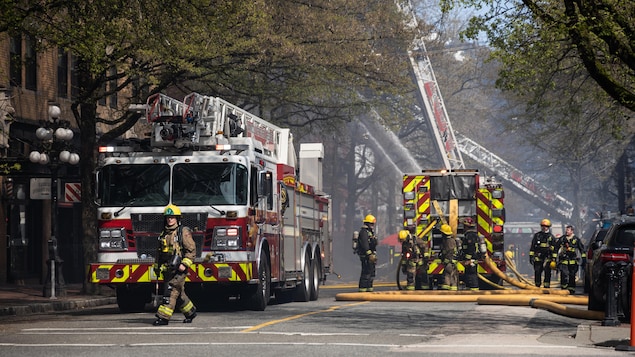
176	253
449	256
542	253
366	249
410	257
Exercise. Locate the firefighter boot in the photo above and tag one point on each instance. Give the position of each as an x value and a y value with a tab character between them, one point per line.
160	322
188	319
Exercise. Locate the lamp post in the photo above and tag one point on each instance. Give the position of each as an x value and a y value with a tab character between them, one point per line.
55	136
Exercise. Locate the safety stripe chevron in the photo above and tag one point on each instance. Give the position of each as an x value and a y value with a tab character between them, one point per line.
141	273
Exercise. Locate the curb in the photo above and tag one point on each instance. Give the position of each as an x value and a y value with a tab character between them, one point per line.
62	305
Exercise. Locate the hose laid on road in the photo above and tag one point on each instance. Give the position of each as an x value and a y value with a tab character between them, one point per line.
491	283
493	297
567	311
528	299
506	277
512	267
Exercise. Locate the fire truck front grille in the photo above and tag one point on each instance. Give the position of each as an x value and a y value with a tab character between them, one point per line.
147	228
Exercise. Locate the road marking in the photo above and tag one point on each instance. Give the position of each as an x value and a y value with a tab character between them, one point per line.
273	322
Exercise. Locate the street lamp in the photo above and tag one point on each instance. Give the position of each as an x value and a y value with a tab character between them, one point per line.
55	136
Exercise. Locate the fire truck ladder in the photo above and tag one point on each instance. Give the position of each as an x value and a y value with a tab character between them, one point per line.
451	149
431	97
506	172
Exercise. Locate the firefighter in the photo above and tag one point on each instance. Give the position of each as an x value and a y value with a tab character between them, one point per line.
176	253
366	249
411	257
449	255
568	247
470	254
422	280
542	253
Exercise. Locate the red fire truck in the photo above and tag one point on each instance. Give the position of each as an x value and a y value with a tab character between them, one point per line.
259	230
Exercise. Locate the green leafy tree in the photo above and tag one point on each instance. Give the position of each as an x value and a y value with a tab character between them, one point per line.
597	34
302	64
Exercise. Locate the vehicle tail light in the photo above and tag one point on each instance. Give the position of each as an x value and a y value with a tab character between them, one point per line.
614	257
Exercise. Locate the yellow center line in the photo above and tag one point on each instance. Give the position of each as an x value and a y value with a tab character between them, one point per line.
273	322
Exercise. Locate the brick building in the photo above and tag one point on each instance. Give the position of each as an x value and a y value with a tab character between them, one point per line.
29	82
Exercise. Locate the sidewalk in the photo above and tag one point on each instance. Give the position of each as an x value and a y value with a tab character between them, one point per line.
29	299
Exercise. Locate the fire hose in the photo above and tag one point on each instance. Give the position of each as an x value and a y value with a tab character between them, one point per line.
512	267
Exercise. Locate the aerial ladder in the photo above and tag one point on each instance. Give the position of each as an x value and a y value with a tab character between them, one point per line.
452	149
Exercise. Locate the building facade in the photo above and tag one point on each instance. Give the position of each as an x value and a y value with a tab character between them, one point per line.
30	81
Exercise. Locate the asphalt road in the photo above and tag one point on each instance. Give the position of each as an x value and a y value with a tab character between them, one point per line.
325	327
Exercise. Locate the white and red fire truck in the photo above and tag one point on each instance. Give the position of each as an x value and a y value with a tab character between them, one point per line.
258	229
451	196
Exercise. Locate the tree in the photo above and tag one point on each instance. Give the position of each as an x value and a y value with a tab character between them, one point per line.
298	63
599	34
543	68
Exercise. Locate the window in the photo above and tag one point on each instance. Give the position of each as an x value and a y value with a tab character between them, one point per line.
210	184
15	59
62	73
30	64
74	77
135	185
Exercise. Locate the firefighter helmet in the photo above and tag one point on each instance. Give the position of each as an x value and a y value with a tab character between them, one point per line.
370	219
553	265
171	210
446	229
403	234
468	222
545	222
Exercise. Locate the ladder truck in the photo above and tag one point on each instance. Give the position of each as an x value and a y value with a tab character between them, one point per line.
453	190
261	225
452	146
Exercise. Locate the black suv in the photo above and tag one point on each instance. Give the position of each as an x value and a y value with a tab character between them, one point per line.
611	269
592	245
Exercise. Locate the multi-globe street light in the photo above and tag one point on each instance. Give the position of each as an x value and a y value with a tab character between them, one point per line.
55	150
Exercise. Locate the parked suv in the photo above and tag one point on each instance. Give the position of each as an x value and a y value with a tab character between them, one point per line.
592	245
613	257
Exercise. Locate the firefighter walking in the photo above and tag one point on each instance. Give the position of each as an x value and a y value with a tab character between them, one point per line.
542	253
470	254
568	247
449	256
367	245
176	253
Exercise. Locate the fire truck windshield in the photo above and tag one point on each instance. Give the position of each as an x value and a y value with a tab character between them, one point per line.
196	184
135	185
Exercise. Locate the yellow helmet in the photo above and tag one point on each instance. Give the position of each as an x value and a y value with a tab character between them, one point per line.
403	234
552	265
446	229
171	210
370	219
545	222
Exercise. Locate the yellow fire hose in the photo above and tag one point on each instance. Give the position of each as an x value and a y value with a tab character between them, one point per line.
505	277
552	300
512	267
567	311
491	283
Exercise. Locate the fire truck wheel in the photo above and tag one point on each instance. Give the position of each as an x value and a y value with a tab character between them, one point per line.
303	290
316	265
258	296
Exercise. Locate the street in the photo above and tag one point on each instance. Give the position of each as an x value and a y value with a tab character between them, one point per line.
325	327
